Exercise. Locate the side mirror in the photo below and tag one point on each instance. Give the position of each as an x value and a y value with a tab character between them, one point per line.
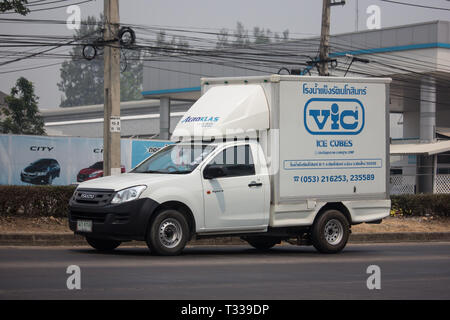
213	172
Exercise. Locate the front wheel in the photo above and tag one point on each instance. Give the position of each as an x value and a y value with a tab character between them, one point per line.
103	244
168	233
330	232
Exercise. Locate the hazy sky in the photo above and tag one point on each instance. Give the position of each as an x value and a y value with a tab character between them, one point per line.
301	17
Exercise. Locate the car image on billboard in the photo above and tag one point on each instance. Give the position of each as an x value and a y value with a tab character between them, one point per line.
42	171
93	172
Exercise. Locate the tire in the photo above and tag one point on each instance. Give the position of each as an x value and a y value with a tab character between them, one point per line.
330	232
103	244
168	233
50	179
262	243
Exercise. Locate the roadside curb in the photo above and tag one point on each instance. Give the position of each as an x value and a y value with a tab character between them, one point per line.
67	239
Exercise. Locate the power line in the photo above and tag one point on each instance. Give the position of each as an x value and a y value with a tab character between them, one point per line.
415	5
52	8
261	58
45	51
32	68
43	2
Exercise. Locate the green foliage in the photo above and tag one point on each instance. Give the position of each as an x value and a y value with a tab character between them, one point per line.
163	43
240	37
82	80
421	205
35	201
21	114
17	5
43	201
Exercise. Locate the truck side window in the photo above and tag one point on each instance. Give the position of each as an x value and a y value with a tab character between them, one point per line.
235	161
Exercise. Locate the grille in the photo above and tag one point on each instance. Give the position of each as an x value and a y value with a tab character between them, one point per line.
95	217
82	177
29	174
93	197
121	218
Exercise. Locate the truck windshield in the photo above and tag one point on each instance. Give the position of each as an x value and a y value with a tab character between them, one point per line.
175	159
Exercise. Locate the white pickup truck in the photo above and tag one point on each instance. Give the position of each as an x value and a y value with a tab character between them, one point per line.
269	159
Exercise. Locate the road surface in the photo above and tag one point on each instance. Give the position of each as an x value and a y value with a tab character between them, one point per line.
408	271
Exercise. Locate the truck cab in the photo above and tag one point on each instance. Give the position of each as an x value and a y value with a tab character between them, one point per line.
246	161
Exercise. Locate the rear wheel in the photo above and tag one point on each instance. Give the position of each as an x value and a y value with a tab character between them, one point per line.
330	232
262	243
168	233
103	244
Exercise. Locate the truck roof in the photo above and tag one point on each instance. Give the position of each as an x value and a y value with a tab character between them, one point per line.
278	78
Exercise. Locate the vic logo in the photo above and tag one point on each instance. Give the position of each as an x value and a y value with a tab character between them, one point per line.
324	116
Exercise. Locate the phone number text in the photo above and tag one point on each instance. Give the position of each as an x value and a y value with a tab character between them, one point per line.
335	178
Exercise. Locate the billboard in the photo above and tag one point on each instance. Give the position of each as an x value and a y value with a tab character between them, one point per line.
43	160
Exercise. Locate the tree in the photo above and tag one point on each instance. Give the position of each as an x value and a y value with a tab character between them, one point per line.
222	39
21	114
82	80
241	38
261	35
170	47
17	5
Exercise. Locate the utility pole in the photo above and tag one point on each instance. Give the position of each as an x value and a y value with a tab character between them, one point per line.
325	36
324	39
111	123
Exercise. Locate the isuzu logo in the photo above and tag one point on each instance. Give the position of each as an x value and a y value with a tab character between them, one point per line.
87	196
326	116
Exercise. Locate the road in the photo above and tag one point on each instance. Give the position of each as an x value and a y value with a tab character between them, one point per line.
408	271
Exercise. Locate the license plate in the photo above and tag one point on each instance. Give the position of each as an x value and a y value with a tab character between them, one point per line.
84	225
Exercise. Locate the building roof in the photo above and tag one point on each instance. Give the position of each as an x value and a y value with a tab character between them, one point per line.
129	108
443	132
178	76
420	148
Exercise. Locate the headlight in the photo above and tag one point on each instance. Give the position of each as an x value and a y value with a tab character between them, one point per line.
75	193
128	194
93	174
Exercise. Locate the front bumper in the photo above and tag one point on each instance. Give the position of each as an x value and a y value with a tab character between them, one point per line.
33	179
123	222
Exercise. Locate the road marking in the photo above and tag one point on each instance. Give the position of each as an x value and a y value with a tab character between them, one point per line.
218	261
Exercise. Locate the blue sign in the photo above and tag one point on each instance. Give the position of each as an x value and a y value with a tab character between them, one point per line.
332	116
142	149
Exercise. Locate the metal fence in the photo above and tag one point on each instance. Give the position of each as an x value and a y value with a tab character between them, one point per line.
442	183
406	184
401	184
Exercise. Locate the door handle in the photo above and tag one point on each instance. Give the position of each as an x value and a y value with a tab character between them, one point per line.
255	184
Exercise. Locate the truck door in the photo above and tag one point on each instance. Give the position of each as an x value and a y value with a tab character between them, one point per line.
235	194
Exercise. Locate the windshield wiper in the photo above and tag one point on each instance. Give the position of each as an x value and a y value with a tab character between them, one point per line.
164	172
179	172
